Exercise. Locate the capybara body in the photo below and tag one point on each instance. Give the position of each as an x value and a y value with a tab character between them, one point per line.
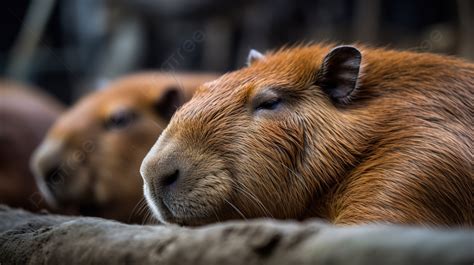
25	116
349	134
89	162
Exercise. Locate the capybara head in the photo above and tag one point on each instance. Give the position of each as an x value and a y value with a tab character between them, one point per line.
89	162
241	147
346	134
25	116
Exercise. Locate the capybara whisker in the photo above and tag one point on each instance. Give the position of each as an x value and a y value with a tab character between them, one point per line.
236	209
253	198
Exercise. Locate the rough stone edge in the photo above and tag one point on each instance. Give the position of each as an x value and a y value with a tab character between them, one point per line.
27	238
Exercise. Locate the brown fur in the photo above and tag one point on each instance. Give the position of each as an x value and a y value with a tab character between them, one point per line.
399	151
25	116
96	167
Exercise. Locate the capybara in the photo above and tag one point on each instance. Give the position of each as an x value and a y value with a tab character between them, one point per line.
89	162
25	116
350	134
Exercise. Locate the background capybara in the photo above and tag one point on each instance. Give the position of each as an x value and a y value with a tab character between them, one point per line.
352	135
25	116
89	162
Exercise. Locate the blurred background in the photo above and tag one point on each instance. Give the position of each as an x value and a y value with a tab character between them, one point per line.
69	47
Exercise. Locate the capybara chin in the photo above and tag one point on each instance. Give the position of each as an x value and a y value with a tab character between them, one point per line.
89	162
349	134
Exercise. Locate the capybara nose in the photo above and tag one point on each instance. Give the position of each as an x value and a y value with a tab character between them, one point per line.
163	168
45	164
168	180
53	177
46	159
160	172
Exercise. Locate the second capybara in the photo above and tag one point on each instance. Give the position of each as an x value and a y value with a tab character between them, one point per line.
350	134
89	162
25	116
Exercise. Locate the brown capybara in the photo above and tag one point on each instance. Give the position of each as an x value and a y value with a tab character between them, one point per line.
25	116
89	162
349	134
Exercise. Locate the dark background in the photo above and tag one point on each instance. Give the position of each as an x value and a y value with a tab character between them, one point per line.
69	47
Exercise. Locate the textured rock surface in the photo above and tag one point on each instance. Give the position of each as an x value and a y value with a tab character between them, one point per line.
27	238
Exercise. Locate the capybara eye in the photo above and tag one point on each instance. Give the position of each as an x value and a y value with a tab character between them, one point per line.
270	104
120	119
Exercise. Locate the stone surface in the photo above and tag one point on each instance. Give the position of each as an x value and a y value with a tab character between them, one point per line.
27	238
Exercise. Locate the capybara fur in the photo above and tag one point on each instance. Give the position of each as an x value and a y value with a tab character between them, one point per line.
25	116
89	162
350	134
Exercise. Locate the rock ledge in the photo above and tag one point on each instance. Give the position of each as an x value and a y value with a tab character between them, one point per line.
27	238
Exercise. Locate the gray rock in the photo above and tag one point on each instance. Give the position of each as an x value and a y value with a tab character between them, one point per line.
27	238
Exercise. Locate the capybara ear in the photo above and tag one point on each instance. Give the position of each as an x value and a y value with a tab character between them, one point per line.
254	56
339	73
169	102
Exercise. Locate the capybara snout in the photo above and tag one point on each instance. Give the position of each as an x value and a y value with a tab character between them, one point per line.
179	180
47	165
349	134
